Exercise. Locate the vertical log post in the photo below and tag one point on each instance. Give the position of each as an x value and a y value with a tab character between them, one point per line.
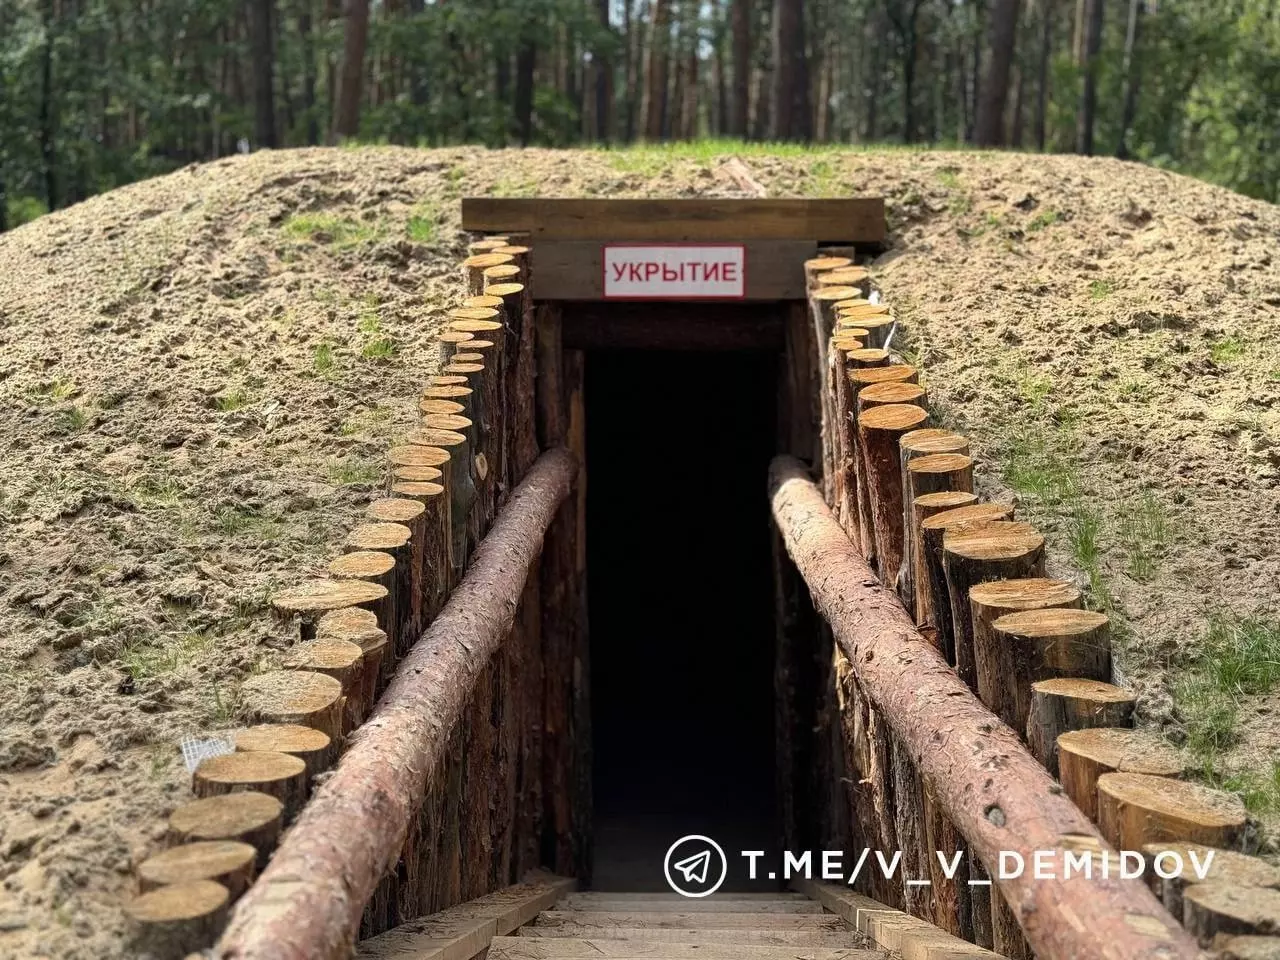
1085	755
1070	703
879	430
998	550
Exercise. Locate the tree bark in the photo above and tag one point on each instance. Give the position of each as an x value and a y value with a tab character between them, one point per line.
346	121
741	16
1089	96
1062	704
261	16
603	68
1132	76
352	832
998	795
1135	809
1002	35
526	61
1085	755
791	112
656	79
1042	86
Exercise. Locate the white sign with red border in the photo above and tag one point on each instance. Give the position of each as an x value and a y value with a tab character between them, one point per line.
675	271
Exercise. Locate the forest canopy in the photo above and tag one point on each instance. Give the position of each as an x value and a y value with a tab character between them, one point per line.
96	93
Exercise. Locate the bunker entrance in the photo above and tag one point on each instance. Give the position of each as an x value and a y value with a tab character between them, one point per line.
680	598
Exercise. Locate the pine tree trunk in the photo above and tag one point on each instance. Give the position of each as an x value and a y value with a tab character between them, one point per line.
260	15
1042	88
656	81
48	112
1089	98
346	121
791	111
741	14
1002	35
604	81
526	61
1131	75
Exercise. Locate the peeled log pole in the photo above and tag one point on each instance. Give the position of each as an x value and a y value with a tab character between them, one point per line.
307	903
956	745
878	431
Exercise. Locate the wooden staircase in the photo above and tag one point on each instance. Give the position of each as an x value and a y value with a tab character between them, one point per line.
543	919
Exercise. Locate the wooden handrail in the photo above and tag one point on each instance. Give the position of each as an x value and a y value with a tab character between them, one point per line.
995	791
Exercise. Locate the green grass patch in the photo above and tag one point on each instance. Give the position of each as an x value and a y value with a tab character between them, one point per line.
232	400
949	177
1145	530
424	223
322	359
354	473
1043	220
330	229
1101	289
1227	350
1237	657
146	660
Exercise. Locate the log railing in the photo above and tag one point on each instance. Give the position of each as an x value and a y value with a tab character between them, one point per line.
418	744
926	713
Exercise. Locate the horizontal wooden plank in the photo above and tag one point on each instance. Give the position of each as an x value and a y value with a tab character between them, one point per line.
668	326
701	921
555	948
465	930
765	937
780	897
908	936
833	220
692	906
574	269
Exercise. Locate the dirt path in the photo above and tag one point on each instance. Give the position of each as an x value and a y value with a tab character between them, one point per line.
198	375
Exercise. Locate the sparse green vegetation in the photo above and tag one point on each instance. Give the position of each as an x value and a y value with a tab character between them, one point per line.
1145	531
949	177
424	223
232	400
72	419
158	658
1101	289
1043	219
331	230
354	473
322	360
1237	657
1226	350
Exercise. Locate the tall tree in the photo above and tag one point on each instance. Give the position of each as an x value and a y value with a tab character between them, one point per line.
1131	76
259	16
1089	95
741	108
602	64
1042	84
526	64
656	79
792	116
905	17
1002	35
355	38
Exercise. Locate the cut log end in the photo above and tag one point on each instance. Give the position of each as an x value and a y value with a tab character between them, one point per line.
414	455
1210	909
893	418
501	291
377	536
295	696
249	817
1062	704
321	596
899	392
933	440
866	376
179	919
394	510
432	406
867	357
1135	809
229	862
276	774
1085	755
362	565
995	540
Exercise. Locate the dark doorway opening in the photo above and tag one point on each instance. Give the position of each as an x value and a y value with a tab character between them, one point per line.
681	607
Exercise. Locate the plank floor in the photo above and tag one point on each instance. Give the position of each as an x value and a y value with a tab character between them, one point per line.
544	920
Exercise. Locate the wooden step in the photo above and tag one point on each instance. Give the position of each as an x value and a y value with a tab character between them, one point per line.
464	931
780	896
813	937
562	948
602	919
686	905
906	936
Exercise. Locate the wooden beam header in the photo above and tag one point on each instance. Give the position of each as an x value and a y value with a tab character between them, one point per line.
836	220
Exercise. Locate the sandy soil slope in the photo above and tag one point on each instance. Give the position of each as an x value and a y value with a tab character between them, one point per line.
198	375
